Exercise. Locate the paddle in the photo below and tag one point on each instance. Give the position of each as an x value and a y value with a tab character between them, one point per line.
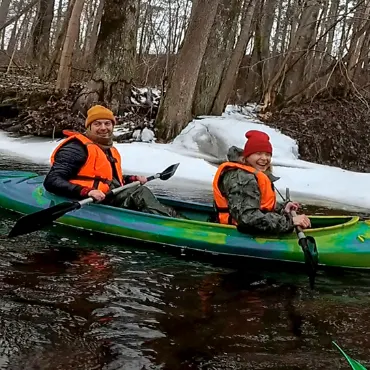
38	220
355	365
308	245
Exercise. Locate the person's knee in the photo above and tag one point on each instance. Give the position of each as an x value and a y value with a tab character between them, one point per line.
144	191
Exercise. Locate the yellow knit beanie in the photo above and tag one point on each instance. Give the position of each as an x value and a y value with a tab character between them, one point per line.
99	112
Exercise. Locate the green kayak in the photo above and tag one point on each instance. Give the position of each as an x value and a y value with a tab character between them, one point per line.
343	241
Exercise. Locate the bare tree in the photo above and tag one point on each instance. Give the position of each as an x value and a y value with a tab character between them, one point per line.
4	10
17	16
217	56
64	74
176	108
41	35
228	81
92	36
114	58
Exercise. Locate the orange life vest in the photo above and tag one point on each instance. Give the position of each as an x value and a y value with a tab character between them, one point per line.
97	172
268	197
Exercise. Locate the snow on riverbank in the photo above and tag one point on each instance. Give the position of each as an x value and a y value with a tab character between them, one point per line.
208	139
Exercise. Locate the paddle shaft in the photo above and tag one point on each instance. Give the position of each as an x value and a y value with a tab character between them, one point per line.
299	230
308	245
36	221
119	189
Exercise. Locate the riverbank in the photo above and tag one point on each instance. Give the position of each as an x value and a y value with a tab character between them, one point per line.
331	132
31	107
204	143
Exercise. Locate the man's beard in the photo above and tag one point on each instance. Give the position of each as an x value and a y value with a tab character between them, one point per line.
103	141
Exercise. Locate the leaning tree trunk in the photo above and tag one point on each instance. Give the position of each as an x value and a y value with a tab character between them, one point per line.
65	69
114	57
261	62
292	67
41	35
217	56
93	37
4	10
230	76
175	111
295	74
60	40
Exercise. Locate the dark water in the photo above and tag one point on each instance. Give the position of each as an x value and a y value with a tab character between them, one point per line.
74	301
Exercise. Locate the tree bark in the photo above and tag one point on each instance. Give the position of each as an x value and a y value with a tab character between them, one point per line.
94	34
175	111
59	43
300	45
4	10
41	35
114	58
65	68
231	74
217	56
333	13
17	16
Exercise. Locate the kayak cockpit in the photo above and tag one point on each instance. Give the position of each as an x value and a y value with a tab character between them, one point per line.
206	213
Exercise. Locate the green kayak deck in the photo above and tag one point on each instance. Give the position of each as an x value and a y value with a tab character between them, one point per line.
343	241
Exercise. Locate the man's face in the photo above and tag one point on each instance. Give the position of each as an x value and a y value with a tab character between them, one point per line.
102	128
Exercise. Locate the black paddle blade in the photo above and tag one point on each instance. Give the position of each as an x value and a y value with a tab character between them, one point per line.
311	257
38	220
169	172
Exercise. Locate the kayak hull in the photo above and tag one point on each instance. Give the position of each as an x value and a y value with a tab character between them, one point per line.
342	241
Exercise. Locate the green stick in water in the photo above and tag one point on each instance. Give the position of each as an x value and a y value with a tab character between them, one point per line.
355	365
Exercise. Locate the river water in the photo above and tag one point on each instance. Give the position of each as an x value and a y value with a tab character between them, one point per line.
73	301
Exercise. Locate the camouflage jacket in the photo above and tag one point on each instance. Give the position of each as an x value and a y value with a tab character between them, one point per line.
243	196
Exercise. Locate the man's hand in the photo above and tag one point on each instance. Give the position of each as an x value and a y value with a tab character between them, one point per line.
142	179
97	195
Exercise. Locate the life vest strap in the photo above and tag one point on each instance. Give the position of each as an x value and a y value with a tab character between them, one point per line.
96	180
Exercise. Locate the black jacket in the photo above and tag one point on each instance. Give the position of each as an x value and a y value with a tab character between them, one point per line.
67	163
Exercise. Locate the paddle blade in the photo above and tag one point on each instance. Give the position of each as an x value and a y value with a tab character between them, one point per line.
169	172
311	257
38	220
355	365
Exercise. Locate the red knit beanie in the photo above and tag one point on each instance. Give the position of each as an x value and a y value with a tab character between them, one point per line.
258	141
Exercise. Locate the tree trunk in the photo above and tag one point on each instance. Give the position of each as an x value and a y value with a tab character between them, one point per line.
17	16
357	40
59	21
333	14
228	81
89	16
279	21
175	111
217	56
114	58
41	35
362	65
25	32
12	40
284	33
4	10
59	43
143	30
65	68
301	44
91	44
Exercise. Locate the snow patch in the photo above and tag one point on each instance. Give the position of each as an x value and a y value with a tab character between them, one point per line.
207	139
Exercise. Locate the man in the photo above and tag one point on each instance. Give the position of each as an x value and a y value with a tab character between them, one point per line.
89	166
